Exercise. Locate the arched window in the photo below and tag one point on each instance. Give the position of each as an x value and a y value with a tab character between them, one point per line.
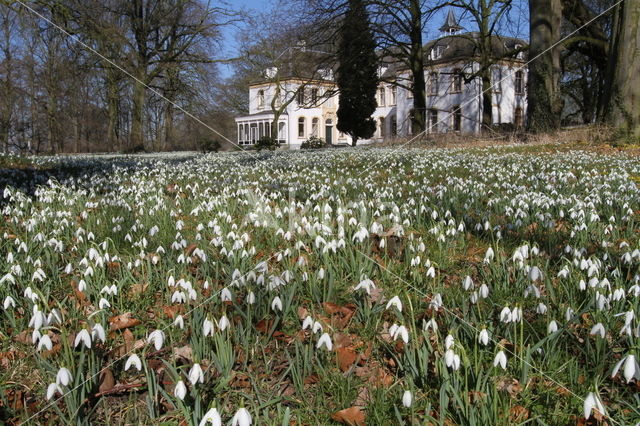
457	81
315	131
457	118
301	127
394	94
519	83
260	99
433	83
282	137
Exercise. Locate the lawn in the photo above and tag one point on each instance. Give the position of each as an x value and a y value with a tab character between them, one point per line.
382	286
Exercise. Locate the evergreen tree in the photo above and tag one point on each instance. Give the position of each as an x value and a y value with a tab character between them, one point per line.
357	74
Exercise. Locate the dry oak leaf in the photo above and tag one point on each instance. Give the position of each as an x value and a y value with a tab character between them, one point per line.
107	381
121	321
350	416
346	358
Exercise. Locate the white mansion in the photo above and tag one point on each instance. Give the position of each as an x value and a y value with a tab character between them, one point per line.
453	105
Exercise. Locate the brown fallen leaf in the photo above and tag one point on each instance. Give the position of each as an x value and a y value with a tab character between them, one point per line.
121	321
518	414
185	352
346	358
138	289
107	381
352	416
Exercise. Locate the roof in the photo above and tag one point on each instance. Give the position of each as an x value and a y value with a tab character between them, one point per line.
465	46
451	23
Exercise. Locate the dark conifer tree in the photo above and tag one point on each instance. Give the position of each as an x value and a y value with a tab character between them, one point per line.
357	74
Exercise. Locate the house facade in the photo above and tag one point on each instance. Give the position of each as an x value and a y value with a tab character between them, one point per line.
454	95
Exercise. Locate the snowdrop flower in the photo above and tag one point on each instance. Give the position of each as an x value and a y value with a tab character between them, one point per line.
276	304
326	341
395	301
431	272
535	274
483	337
8	302
541	308
552	327
500	359
83	337
196	374
207	327
307	323
448	341
366	285
407	398
484	291
631	368
223	323
64	377
52	389
104	303
98	333
431	324
401	331
452	359
251	298
180	390
212	417
225	295
241	418
467	283
133	361
505	314
317	327
598	330
157	338
590	402
45	342
489	255
179	322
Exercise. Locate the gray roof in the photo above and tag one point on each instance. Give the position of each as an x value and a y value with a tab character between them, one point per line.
451	23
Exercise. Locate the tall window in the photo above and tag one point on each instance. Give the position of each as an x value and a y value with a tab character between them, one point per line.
457	118
519	83
301	127
282	137
381	97
433	120
394	125
457	81
496	79
518	117
410	92
260	99
241	134
433	83
315	127
301	97
314	96
381	124
394	94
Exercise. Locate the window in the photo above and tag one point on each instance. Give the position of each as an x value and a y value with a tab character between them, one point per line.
457	118
315	131
394	125
433	84
301	127
433	120
260	130
496	79
381	127
281	133
519	83
456	87
394	94
410	89
301	98
519	54
241	133
260	99
518	117
314	96
381	97
437	52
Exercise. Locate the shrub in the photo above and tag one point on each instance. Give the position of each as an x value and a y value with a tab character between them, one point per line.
313	143
208	145
266	142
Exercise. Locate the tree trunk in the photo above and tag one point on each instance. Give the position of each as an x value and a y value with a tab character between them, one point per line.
544	101
623	106
168	128
113	110
354	140
487	104
417	69
137	116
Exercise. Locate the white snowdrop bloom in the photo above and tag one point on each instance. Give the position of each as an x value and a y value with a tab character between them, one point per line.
52	389
366	285
82	286
45	342
467	283
407	398
325	341
196	374
178	297
598	330
501	360
307	323
484	291
431	324
590	402
402	332
563	273
251	298
104	303
452	359
532	289
64	377
473	298
241	418
552	327
395	301
133	361
179	322
505	314
569	314
98	333
225	295
223	323
631	368
321	273
449	341
207	327
431	272
82	337
211	417
8	303
582	285
436	302
541	308
156	338
317	327
489	255
535	274
36	336
276	304
483	337
180	391
37	320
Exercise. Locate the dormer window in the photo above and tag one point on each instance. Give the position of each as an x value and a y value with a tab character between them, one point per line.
301	97
437	52
314	96
520	54
261	99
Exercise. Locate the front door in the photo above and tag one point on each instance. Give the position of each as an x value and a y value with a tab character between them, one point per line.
328	132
